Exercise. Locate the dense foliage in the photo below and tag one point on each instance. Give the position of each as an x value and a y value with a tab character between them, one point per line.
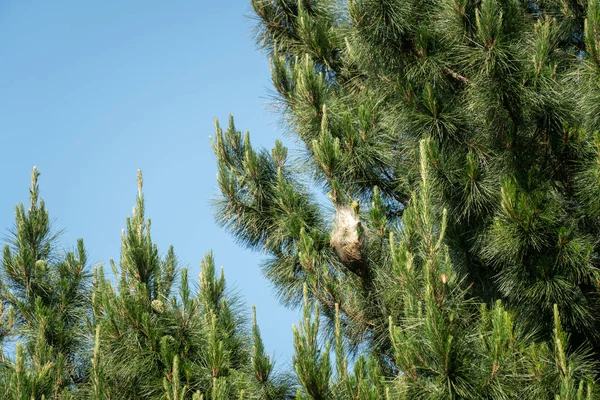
66	334
458	144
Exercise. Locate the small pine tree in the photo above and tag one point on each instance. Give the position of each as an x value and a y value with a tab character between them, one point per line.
152	343
45	300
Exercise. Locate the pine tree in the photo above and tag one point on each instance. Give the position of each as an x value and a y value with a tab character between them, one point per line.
444	344
45	299
153	343
141	335
495	258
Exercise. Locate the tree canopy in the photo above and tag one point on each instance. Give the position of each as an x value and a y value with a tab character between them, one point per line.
457	143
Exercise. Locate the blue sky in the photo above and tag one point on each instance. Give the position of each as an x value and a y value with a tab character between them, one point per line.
92	91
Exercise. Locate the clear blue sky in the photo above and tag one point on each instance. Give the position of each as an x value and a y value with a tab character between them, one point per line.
91	91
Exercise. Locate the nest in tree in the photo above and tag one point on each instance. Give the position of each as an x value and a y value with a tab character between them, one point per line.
348	238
